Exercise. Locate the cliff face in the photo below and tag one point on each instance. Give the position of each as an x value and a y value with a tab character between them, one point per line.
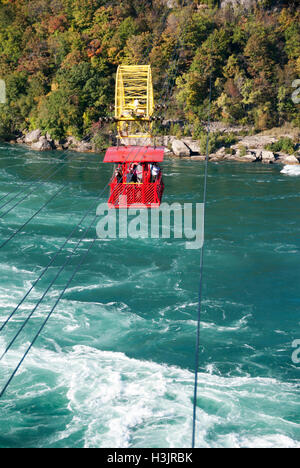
247	4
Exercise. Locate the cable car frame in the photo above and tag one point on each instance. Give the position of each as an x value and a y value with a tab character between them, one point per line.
134	109
134	101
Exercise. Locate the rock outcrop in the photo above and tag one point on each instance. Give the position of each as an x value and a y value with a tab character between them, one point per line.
33	136
40	142
42	145
289	160
180	149
245	4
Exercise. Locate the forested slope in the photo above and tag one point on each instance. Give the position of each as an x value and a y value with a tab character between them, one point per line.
59	57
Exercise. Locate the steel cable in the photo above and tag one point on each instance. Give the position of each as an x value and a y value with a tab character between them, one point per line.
44	295
9	193
22	182
56	303
53	258
200	290
35	185
26	187
32	217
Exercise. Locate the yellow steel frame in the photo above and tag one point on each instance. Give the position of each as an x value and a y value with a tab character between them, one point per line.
134	101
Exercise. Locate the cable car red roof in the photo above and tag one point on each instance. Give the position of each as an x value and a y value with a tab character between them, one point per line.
131	154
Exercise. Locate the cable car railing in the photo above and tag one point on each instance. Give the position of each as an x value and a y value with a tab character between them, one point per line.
135	194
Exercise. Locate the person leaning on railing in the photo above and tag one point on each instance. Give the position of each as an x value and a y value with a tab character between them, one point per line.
119	175
155	170
139	173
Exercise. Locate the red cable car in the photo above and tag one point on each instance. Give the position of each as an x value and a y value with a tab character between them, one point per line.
137	181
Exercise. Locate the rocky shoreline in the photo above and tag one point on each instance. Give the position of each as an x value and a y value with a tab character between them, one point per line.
39	142
247	149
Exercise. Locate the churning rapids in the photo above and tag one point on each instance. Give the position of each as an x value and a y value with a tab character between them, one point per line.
114	366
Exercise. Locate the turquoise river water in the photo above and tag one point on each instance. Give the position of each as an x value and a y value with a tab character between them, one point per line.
114	366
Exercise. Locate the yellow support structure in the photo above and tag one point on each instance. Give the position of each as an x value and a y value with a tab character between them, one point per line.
134	101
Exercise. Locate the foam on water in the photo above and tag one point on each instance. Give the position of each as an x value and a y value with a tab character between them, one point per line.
292	170
114	401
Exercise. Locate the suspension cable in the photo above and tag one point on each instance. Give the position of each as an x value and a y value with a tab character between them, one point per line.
200	290
56	303
20	184
49	173
45	321
9	193
36	185
67	261
32	217
54	257
48	288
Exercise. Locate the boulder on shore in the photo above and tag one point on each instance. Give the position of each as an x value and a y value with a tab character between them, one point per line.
248	158
33	136
83	147
42	145
267	157
289	160
193	145
179	148
256	142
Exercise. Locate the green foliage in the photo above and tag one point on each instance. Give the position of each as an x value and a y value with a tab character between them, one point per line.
284	145
197	130
176	130
216	141
79	99
243	150
100	141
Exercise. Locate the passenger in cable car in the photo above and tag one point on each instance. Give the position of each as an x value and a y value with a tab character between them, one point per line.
119	175
131	176
139	173
134	174
155	170
137	111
